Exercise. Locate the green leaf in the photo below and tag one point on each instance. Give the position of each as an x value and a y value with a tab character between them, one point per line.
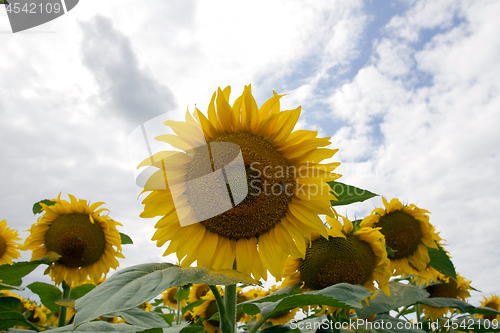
193	329
37	208
140	318
168	317
389	324
390	252
125	239
135	285
81	290
442	302
441	262
182	293
347	194
105	327
48	294
401	295
472	324
191	306
10	314
13	274
342	295
152	330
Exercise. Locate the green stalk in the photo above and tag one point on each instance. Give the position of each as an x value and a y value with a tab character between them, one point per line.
418	313
225	325
402	310
62	309
178	315
230	302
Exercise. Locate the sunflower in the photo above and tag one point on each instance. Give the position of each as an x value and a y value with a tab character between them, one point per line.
206	310
37	314
247	178
197	291
408	232
255	293
447	287
87	242
493	302
8	246
355	257
168	297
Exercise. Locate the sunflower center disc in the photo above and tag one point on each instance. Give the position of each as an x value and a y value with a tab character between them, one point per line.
402	232
202	291
171	296
269	183
337	260
3	246
210	311
447	289
79	241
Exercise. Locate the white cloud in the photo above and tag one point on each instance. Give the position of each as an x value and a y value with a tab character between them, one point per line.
440	140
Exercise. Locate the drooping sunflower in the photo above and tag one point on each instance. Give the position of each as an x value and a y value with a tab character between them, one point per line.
447	287
8	246
197	291
255	186
168	297
355	257
87	242
408	232
493	302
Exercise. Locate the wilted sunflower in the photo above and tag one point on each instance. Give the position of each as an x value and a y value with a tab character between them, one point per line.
493	302
408	232
168	297
87	242
8	246
273	197
355	257
448	288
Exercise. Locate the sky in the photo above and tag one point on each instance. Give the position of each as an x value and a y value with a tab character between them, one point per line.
407	90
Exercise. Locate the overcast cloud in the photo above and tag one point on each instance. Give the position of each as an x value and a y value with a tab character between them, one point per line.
408	90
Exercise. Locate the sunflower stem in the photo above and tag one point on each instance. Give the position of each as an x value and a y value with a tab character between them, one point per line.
230	302
178	315
402	310
223	318
62	309
417	312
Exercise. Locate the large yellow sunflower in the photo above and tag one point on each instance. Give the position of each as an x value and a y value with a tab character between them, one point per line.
355	257
87	242
8	246
408	232
493	302
256	188
449	288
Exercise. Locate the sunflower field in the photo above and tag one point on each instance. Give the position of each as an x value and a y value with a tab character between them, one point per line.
243	197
